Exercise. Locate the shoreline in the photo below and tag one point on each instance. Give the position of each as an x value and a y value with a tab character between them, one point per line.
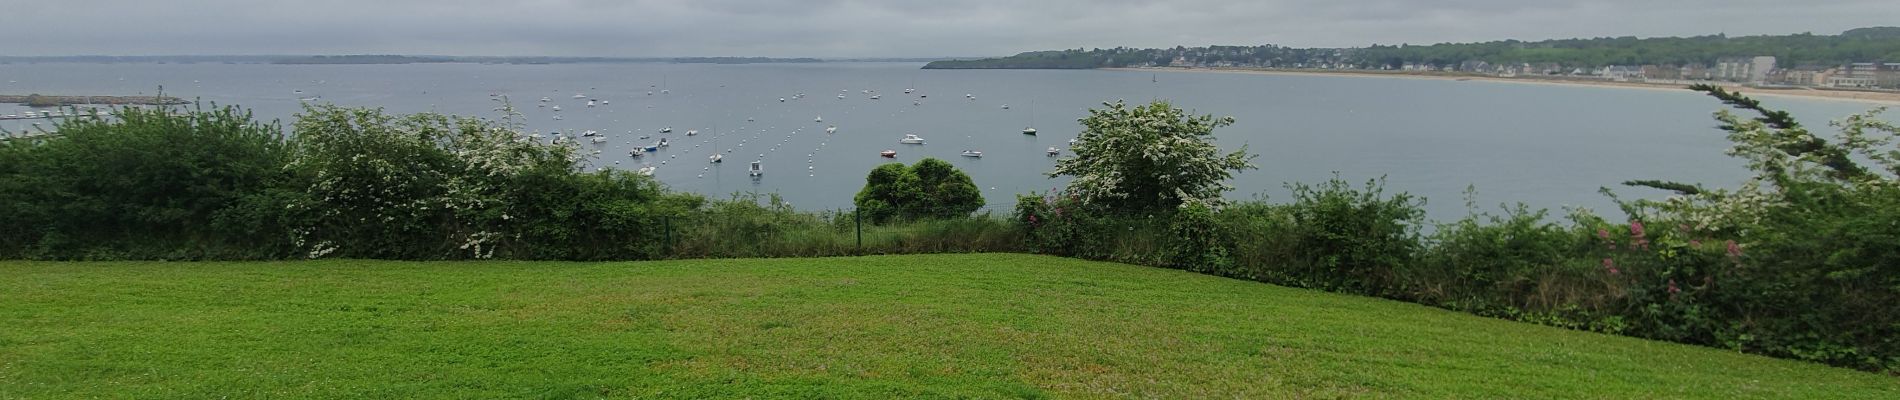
1874	98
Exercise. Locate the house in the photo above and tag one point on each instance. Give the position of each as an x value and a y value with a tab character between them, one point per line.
1621	73
1744	69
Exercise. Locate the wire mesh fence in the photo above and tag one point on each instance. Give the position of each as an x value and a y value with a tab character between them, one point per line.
766	232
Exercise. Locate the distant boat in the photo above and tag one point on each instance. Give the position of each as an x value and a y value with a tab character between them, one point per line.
1029	131
781	99
664	91
1005	106
717	158
557	118
973	154
911	139
652	148
841	97
831	129
557	108
1053	151
598	139
544	100
666	130
636	152
647	170
590	103
756	170
580	96
692	132
888	153
604	102
663	143
820	118
875	97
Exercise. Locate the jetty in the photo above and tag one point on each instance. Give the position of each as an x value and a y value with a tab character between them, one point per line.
38	100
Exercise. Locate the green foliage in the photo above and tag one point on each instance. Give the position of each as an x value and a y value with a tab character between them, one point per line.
1149	158
146	183
1352	239
929	189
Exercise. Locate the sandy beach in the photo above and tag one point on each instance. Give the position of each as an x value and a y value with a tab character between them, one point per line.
1872	98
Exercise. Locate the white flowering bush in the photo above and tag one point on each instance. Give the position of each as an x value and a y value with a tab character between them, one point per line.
418	186
1149	158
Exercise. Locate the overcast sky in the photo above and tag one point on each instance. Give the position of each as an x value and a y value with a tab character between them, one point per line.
864	28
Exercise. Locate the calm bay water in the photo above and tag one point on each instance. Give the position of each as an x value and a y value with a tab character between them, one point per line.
1547	146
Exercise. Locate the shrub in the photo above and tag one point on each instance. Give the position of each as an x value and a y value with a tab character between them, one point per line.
1351	239
156	183
931	188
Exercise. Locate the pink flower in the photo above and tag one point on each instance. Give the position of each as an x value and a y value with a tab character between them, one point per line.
1610	265
1636	228
1672	287
1603	233
1734	250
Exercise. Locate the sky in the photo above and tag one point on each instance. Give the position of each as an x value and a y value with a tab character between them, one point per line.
864	28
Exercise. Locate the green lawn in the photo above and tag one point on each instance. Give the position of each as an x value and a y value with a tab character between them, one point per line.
983	326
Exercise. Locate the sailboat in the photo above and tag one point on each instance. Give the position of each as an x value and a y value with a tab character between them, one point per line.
1031	129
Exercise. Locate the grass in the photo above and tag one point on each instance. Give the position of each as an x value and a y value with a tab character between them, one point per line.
984	325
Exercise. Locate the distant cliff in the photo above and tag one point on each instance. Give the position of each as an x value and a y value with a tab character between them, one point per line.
1875	44
1030	60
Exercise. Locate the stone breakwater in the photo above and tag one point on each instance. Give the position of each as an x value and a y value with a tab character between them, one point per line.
38	100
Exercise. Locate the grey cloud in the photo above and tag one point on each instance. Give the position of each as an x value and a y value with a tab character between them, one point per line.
863	28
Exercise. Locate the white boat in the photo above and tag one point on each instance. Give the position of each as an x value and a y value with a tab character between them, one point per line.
664	91
973	153
666	130
1071	142
1053	151
590	132
692	132
580	96
781	99
604	102
1005	106
820	118
841	97
909	91
875	97
647	170
756	170
544	100
557	118
590	103
888	154
598	140
556	108
717	158
911	139
663	143
831	129
1029	131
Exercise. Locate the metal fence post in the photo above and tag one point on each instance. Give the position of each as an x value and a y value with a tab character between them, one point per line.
859	216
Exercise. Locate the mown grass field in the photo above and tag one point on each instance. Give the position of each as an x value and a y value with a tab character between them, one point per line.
982	326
